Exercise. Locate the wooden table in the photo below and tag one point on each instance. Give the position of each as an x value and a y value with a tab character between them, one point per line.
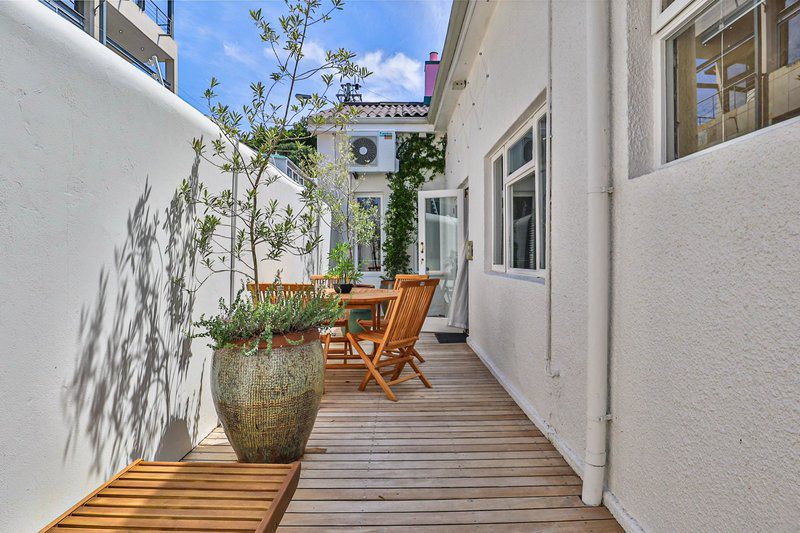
147	496
368	298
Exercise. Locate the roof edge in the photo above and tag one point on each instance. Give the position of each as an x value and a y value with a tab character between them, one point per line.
458	14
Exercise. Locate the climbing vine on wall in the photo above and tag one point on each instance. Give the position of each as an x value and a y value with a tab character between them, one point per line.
421	158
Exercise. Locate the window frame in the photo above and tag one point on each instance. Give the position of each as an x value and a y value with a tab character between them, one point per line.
500	153
356	258
666	26
530	168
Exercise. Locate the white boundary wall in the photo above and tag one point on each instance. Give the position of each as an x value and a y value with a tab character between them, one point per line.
94	368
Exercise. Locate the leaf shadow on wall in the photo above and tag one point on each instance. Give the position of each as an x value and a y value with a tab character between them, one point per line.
127	395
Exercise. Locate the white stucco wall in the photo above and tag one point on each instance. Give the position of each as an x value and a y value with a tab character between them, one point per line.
705	362
95	367
705	297
508	314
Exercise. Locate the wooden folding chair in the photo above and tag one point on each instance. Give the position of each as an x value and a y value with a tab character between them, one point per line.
337	349
321	281
392	346
386	306
272	290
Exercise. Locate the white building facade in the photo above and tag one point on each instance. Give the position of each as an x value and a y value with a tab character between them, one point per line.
685	112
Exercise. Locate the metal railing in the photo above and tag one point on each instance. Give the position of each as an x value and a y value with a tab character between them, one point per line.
66	10
136	62
292	171
157	14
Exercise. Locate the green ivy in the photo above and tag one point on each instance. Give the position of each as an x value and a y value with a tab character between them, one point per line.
421	158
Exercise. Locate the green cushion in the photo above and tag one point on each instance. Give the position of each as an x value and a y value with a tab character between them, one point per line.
354	316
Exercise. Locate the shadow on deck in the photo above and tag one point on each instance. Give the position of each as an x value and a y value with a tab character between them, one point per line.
461	456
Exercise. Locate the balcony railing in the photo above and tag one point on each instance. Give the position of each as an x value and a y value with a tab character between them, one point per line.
66	10
292	171
152	10
136	62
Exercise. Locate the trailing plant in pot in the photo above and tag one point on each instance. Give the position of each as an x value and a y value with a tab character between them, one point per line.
421	158
342	268
267	370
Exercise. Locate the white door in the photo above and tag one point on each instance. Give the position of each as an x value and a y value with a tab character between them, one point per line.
440	242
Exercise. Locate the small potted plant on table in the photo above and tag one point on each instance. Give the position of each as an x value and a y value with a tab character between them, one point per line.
342	268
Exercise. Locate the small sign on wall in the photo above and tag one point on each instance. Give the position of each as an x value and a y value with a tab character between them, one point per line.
469	250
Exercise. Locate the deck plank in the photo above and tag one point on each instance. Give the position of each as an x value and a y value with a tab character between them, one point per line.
460	455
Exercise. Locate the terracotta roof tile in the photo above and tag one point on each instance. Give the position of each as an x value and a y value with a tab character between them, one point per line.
388	109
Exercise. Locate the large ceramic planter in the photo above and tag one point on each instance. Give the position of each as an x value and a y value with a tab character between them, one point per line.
268	403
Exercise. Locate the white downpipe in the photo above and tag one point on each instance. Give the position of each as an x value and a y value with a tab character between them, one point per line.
599	219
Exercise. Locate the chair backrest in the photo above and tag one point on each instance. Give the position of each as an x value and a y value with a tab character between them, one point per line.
409	311
400	278
272	290
321	281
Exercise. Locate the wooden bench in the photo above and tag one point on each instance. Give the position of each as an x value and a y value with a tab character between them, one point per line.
153	496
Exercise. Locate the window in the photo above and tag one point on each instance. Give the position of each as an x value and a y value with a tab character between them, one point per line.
519	199
729	77
368	256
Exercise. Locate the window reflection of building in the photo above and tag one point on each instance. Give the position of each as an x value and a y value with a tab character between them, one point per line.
735	70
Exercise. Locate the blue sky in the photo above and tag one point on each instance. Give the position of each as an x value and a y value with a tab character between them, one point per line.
392	38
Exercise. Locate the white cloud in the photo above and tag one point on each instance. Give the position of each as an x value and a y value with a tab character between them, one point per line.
237	53
396	77
313	52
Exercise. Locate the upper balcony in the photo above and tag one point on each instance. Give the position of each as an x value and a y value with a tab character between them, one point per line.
140	31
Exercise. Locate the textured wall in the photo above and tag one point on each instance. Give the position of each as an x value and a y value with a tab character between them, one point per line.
705	292
508	314
706	305
95	369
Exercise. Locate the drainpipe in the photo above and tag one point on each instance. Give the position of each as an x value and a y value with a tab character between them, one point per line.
599	237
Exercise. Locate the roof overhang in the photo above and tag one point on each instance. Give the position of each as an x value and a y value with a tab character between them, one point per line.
465	31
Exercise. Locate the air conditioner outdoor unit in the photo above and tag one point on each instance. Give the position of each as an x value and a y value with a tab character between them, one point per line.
373	151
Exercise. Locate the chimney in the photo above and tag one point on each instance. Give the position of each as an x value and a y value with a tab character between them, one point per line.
431	69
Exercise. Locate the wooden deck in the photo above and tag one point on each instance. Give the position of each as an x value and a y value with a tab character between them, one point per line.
459	457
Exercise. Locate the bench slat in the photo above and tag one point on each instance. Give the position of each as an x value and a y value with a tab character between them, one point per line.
151	496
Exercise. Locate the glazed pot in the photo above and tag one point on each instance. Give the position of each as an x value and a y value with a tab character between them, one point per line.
268	402
343	288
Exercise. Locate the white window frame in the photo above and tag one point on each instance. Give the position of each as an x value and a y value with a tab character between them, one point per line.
531	167
498	267
383	231
665	26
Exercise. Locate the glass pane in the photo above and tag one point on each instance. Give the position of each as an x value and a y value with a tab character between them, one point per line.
783	85
541	131
497	192
665	4
369	254
441	249
715	77
523	223
520	153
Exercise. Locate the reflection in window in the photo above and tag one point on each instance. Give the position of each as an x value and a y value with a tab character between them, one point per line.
497	184
523	223
729	79
541	170
520	152
368	255
441	249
